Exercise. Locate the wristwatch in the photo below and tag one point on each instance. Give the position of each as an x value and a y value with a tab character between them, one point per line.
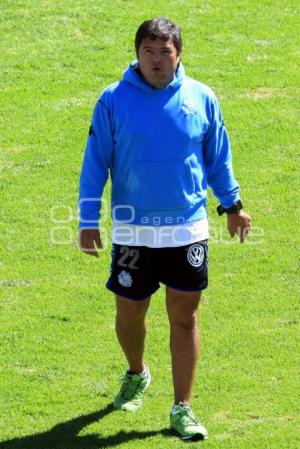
234	209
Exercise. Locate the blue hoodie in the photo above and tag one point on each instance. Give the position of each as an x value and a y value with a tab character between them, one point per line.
161	147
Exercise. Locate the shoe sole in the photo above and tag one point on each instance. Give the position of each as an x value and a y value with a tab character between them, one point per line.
196	437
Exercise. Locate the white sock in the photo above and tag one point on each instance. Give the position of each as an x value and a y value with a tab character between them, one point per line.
174	408
144	373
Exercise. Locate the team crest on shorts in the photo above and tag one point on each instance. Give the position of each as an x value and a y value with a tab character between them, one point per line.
125	279
195	255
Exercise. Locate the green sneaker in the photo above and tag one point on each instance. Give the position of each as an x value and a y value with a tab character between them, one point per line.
184	422
132	391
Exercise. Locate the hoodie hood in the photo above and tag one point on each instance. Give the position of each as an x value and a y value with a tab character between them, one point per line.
133	76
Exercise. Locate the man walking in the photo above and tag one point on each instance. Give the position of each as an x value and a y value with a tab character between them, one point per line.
160	136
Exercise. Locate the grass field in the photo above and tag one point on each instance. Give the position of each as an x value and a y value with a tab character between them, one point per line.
59	361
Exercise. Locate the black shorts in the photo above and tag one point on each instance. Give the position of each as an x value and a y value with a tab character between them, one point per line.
136	271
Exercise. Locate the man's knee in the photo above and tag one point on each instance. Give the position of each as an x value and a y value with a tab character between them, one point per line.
183	309
130	312
186	321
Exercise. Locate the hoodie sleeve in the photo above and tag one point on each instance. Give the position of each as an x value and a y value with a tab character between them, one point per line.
218	160
95	167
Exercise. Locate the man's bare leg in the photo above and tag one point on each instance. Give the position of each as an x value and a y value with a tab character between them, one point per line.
131	330
184	340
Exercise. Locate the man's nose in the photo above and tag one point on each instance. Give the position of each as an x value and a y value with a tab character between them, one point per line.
156	57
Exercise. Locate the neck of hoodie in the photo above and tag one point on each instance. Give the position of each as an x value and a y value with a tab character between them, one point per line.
133	75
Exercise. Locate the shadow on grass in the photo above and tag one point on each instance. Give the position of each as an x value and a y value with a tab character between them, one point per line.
65	435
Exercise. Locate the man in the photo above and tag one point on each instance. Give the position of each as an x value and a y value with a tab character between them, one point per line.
161	136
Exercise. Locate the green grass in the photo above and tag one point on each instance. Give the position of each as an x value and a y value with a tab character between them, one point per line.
60	362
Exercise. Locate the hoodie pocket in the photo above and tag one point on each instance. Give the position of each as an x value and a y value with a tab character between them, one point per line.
161	185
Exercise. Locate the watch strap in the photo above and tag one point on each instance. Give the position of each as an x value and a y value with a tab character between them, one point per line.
234	209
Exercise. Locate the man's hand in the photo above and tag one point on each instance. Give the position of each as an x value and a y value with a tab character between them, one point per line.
89	240
239	224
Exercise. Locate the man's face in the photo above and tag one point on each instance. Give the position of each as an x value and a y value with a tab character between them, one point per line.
158	61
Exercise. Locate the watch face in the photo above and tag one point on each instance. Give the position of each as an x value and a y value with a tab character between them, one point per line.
220	210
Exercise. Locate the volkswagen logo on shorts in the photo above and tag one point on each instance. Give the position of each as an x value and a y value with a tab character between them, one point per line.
195	255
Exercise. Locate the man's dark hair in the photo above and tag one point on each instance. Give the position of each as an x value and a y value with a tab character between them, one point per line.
161	28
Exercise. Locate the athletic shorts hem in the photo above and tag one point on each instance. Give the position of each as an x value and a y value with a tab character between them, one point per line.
131	298
185	289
